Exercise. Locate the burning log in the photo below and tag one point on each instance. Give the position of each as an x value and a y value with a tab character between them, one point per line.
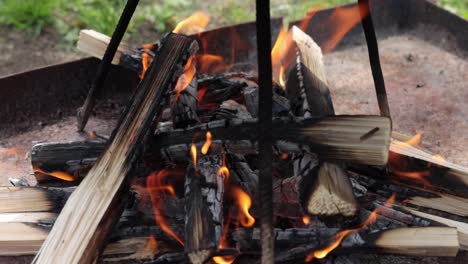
330	191
83	239
204	189
418	241
184	102
324	136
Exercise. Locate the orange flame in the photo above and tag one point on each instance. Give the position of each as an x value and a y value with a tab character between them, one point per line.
57	174
342	21
193	152
155	186
207	144
186	77
210	63
399	164
306	219
223	170
92	135
281	55
193	24
320	254
223	243
244	203
144	64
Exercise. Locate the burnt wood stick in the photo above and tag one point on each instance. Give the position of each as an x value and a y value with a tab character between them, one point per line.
204	191
85	110
373	50
184	105
96	202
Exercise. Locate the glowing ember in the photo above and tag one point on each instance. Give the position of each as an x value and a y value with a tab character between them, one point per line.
195	23
186	77
193	152
306	219
341	235
156	188
57	174
284	156
244	202
207	144
224	259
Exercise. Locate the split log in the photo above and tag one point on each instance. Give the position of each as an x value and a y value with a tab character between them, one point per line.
99	198
329	190
444	205
25	199
461	227
95	43
204	191
417	241
436	173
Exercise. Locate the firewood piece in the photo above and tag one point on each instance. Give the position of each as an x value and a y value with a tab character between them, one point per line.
184	105
26	199
415	241
324	136
95	43
96	202
75	158
331	193
443	176
204	191
443	205
462	228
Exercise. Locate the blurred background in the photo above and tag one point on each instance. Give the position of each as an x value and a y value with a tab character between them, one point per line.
40	32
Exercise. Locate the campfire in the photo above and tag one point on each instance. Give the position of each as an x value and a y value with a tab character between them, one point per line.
183	175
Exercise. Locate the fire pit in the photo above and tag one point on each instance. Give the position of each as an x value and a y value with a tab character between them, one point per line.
194	185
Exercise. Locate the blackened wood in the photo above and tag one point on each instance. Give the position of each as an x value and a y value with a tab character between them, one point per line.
75	158
85	110
95	202
373	49
184	105
204	191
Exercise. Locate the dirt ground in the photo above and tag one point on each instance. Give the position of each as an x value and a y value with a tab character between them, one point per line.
426	87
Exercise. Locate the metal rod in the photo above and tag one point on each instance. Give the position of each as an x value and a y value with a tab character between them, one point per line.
264	130
373	49
85	110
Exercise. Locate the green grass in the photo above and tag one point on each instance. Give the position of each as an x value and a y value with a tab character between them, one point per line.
68	16
29	15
